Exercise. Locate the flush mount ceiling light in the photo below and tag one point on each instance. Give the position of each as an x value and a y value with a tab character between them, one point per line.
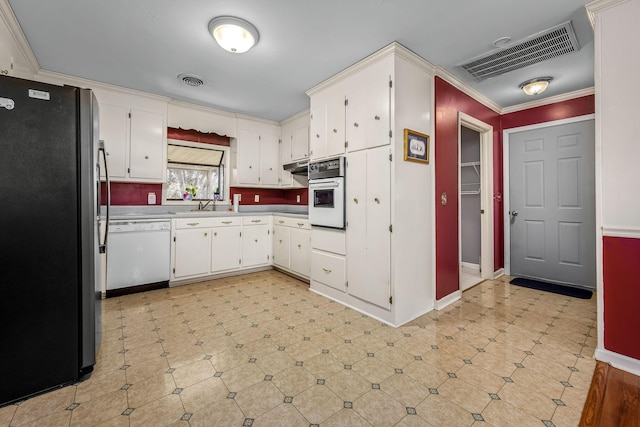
233	34
535	86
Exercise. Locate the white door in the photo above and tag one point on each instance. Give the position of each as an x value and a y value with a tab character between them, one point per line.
248	161
269	155
192	252
368	234
552	204
148	146
225	248
255	245
281	246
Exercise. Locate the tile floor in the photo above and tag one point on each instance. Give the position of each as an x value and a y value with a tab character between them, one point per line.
263	350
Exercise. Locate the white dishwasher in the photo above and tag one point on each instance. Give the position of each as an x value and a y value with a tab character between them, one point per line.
139	253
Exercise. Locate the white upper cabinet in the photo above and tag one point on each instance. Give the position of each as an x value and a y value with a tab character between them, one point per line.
148	146
294	147
327	130
368	122
257	154
134	132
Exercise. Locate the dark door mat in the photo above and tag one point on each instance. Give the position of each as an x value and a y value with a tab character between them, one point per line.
552	287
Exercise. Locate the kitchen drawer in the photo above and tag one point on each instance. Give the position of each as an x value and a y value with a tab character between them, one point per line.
256	220
326	239
199	222
285	221
226	222
328	269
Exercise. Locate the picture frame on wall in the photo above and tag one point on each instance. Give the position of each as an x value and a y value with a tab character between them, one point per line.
416	146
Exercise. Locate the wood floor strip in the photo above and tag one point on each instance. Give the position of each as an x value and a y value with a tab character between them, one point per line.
592	410
613	399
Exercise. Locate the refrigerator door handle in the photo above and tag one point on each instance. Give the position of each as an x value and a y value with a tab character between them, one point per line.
101	150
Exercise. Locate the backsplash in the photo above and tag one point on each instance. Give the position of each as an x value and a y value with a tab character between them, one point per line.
130	194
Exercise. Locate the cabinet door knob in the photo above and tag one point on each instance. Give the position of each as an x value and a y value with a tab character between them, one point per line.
376	200
355	200
317	135
280	241
249	167
146	157
206	234
377	117
256	240
335	131
299	246
355	124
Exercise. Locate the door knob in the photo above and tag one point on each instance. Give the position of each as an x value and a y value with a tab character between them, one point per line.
514	213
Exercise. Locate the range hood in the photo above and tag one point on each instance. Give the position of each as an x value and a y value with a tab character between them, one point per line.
297	168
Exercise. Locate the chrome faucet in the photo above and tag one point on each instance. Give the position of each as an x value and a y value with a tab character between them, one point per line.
203	205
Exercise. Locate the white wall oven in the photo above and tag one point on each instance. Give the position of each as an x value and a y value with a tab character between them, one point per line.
326	193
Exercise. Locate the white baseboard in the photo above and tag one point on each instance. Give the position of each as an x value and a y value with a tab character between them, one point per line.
498	273
619	361
448	300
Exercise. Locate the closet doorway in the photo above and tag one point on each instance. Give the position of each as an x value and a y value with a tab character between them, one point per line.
475	201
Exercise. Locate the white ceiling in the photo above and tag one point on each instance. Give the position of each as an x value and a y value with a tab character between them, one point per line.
146	44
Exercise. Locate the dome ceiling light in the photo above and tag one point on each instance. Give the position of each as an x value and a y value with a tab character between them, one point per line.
233	34
535	86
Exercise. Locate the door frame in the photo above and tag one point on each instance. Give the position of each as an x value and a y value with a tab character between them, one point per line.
505	168
486	194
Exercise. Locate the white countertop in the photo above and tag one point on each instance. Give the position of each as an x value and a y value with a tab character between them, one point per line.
169	212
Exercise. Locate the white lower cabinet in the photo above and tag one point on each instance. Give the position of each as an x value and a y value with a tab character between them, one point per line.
226	248
328	265
292	245
256	241
369	219
192	252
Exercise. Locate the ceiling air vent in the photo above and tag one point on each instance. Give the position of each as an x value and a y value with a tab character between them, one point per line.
191	80
548	44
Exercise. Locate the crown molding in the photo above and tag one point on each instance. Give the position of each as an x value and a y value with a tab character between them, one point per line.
549	100
11	22
303	113
54	77
390	49
451	79
598	6
176	103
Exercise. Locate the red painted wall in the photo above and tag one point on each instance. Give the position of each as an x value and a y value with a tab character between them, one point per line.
548	113
270	196
130	193
621	294
448	102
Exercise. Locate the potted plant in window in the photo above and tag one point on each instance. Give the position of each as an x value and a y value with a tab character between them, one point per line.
189	192
216	194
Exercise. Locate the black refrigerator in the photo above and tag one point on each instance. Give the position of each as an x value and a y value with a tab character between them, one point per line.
50	246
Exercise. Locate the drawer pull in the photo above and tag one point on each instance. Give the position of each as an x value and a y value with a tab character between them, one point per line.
193	224
227	222
300	224
326	270
280	241
281	222
256	220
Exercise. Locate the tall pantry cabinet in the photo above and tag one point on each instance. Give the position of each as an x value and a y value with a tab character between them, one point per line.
389	237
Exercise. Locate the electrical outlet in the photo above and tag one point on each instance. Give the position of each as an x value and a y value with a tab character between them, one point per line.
298	198
256	198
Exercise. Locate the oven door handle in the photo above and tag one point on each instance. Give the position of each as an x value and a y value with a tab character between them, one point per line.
324	184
